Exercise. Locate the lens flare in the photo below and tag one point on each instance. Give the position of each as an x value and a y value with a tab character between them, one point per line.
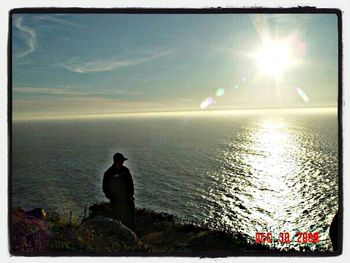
302	95
207	102
236	86
220	92
186	119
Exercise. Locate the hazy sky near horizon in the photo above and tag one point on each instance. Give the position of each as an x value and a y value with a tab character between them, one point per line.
73	64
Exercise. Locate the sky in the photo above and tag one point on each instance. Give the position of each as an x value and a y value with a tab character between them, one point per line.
81	64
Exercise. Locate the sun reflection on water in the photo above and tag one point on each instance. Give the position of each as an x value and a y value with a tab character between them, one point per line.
271	160
264	184
273	166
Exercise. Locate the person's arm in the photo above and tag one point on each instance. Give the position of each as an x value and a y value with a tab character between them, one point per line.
105	183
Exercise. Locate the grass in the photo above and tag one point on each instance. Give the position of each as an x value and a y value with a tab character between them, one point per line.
156	233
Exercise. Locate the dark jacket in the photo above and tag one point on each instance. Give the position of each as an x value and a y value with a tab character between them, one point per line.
118	184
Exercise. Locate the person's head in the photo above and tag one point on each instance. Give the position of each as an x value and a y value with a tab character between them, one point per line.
118	159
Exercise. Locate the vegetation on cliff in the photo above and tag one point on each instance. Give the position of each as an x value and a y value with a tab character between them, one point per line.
96	232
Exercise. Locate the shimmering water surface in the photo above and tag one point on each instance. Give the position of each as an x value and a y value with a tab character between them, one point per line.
261	171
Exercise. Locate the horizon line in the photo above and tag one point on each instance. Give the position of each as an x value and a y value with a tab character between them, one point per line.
172	113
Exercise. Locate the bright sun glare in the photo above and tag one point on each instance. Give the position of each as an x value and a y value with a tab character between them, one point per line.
273	58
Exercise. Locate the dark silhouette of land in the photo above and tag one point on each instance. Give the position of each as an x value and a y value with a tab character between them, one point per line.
50	233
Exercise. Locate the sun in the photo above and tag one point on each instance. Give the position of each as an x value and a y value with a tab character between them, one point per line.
274	58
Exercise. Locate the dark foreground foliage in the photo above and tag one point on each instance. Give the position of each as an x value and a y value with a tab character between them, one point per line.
96	232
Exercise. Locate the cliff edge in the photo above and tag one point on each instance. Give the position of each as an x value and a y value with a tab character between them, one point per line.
36	232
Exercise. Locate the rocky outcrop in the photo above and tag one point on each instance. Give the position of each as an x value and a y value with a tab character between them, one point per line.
111	226
99	233
38	213
162	232
29	232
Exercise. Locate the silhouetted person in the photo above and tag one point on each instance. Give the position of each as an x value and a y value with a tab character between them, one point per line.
119	188
333	231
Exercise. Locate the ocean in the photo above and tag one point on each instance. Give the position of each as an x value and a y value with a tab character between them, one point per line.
249	171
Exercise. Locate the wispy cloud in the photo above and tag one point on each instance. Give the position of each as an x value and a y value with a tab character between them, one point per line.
104	65
28	35
72	92
116	92
98	65
57	19
71	106
46	91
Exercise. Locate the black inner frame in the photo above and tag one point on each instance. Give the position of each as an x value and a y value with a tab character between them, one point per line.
261	10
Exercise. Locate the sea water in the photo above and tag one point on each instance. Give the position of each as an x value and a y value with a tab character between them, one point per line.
260	171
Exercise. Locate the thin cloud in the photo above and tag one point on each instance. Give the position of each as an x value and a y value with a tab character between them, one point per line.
28	35
116	92
58	20
98	65
46	91
71	92
105	65
78	105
